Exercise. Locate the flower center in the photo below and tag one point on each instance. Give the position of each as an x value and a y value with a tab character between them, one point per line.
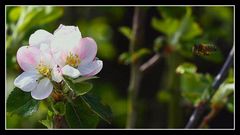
73	60
44	70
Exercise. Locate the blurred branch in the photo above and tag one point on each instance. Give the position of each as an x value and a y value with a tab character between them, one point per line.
212	114
135	75
150	63
201	109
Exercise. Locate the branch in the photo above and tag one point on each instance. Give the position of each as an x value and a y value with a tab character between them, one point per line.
135	74
151	62
201	109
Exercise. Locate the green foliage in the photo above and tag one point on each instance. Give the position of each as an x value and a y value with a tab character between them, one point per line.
167	26
14	14
159	43
171	12
214	18
59	108
177	29
37	16
186	68
125	58
230	104
139	54
81	79
21	103
187	30
78	115
126	31
224	94
49	121
79	88
216	57
118	103
193	85
22	19
103	111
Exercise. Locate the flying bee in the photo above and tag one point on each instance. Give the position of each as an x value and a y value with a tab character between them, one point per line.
203	49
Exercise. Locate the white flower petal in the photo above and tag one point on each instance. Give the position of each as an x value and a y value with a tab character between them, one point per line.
91	69
28	57
66	38
59	57
44	47
47	59
27	81
64	30
70	71
43	90
56	74
86	50
39	37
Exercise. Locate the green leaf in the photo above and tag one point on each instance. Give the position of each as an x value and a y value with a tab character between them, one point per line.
50	14
142	52
22	103
49	121
158	43
38	16
173	12
221	95
78	115
195	87
59	108
100	109
167	26
176	29
186	68
126	31
125	58
230	105
15	14
193	31
183	27
81	79
230	78
80	88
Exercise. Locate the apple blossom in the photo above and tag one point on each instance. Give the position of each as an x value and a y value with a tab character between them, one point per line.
76	55
49	56
37	67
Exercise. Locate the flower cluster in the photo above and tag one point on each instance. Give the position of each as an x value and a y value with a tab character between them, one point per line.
50	56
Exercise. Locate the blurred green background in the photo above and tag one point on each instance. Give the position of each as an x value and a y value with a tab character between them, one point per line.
163	99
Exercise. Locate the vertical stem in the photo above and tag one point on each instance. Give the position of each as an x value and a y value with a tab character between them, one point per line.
135	75
174	109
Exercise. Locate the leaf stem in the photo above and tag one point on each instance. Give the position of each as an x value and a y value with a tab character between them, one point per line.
198	113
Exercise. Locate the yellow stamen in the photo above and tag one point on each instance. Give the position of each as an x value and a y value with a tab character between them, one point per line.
44	70
73	60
